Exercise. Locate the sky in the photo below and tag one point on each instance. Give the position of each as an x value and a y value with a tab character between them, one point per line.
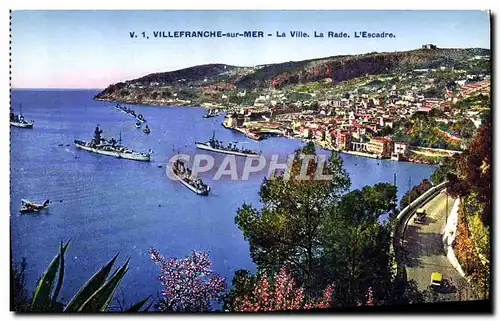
92	49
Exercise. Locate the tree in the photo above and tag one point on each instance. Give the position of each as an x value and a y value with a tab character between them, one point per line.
386	131
323	236
474	170
243	284
280	293
356	247
190	285
415	192
464	127
442	172
286	230
19	301
485	116
435	112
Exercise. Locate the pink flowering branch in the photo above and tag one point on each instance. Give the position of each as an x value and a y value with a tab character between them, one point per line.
189	283
282	294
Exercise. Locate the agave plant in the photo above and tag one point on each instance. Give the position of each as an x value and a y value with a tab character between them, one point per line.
93	296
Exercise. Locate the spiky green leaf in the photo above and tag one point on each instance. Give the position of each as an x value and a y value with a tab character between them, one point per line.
60	277
149	306
41	301
90	287
137	306
99	301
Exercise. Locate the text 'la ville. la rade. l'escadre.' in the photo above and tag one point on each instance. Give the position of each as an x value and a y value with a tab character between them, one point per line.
336	34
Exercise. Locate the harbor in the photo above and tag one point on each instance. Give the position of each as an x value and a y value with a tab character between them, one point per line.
93	196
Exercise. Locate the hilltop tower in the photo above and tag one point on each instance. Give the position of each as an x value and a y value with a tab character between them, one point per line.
429	46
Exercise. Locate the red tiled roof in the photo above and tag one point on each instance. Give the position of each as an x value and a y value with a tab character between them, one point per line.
382	139
424	109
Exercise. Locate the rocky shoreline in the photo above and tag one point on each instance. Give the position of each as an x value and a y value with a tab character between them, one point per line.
153	103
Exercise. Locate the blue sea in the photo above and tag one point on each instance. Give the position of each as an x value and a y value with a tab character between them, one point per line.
108	206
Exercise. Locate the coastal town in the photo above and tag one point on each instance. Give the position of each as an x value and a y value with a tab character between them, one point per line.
358	123
418	114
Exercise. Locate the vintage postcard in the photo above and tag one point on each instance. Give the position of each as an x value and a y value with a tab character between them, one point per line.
250	161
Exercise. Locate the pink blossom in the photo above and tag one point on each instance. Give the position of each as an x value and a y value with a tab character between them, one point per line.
369	300
190	285
281	294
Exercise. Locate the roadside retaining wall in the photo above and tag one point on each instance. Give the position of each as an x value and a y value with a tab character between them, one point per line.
400	225
449	234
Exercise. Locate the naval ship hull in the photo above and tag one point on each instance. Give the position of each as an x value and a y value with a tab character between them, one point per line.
230	152
191	188
131	156
21	125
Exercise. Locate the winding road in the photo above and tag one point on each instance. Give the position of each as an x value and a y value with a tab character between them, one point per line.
424	251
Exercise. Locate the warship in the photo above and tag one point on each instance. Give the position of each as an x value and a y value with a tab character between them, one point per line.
19	121
214	145
110	147
183	174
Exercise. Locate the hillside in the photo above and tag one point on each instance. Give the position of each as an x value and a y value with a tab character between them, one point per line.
198	83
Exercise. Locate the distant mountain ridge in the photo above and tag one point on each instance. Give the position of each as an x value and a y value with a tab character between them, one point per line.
278	75
189	74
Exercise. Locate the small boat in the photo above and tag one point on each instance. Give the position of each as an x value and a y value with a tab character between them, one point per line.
183	174
146	130
141	118
211	113
31	207
254	136
138	125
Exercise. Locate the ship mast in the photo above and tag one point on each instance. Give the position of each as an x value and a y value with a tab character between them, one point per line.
97	135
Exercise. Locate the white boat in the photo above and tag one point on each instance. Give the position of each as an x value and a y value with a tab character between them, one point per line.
23	124
211	113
